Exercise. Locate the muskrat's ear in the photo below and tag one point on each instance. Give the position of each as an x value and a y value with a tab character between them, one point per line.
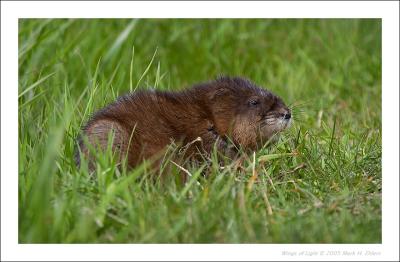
218	93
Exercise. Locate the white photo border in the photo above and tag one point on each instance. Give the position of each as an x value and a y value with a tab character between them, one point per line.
12	11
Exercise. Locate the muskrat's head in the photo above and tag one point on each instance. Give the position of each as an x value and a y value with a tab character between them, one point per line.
250	115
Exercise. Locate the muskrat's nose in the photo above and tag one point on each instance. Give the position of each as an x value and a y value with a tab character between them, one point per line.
287	116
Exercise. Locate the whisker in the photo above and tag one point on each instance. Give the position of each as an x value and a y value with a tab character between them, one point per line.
270	117
299	112
300	103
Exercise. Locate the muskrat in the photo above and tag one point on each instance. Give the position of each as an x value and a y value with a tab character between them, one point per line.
210	114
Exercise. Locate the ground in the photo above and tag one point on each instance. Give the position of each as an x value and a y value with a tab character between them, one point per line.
321	183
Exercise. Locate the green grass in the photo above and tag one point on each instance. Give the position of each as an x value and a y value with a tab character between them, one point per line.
329	191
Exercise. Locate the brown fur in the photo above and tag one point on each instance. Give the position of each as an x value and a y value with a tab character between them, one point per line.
145	122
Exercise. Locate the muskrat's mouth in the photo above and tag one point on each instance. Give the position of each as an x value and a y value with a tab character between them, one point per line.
275	124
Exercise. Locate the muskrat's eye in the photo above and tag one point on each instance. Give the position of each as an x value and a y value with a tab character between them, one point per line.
253	102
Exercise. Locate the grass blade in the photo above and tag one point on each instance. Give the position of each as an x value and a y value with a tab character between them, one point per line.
265	158
120	39
35	84
147	69
131	70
